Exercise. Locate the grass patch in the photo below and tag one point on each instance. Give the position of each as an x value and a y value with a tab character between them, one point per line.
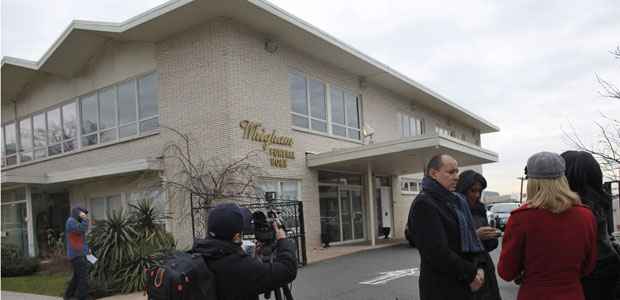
50	285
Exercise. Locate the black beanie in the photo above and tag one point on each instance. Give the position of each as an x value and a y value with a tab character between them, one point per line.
225	220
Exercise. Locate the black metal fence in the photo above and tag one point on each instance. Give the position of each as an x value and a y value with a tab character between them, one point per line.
290	212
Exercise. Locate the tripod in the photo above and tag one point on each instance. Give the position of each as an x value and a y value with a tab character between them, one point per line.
268	252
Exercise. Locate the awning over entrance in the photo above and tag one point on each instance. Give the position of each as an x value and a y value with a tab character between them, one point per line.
84	173
395	158
402	156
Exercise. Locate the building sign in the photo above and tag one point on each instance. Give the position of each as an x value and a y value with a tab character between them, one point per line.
255	132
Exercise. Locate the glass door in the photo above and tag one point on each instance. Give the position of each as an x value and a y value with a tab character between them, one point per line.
14	225
346	215
330	213
358	214
342	213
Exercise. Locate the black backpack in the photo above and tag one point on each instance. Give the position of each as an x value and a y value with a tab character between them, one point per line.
182	276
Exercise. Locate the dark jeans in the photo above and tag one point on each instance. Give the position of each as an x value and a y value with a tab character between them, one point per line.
78	286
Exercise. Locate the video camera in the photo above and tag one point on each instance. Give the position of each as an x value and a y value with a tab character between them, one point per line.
265	234
262	222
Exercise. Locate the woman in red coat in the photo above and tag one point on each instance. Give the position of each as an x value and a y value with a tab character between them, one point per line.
550	242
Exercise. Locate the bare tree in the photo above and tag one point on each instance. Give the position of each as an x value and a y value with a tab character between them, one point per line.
609	89
209	179
607	148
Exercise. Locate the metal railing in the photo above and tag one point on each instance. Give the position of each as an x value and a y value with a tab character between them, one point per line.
290	212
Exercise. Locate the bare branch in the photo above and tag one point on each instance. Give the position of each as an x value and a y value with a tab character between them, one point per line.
610	90
209	179
607	147
616	52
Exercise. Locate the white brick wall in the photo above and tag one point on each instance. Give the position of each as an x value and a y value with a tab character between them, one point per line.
211	77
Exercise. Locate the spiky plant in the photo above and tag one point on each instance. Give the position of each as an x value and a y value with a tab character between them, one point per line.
127	243
114	242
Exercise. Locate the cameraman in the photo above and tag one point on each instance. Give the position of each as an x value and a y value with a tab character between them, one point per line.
239	276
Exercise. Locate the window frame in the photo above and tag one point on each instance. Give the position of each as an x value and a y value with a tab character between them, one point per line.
161	193
34	146
20	150
346	126
5	157
329	88
280	182
136	120
126	198
413	186
114	127
77	125
77	139
413	122
442	131
106	200
139	120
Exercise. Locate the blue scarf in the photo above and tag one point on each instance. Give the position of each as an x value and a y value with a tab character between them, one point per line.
469	239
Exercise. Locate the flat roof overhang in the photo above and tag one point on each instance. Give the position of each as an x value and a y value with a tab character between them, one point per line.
78	174
400	157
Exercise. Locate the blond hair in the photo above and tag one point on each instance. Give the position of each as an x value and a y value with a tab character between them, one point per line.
551	194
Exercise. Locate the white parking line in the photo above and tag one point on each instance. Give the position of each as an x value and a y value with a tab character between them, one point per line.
392	275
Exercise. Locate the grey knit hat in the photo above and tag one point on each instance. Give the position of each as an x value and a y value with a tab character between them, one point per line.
545	165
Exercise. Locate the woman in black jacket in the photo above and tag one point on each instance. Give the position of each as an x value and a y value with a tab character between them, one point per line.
470	187
586	179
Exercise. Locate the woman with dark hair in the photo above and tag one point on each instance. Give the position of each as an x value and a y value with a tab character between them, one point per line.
469	188
586	179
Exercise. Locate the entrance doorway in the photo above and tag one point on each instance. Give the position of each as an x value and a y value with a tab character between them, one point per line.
342	213
383	201
50	210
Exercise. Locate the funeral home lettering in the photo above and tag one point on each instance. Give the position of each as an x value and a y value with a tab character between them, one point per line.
279	157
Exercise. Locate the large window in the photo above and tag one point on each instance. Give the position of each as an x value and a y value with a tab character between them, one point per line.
120	111
69	127
440	130
345	114
308	102
25	140
156	197
411	126
127	109
409	185
9	154
102	207
323	108
40	135
284	189
148	101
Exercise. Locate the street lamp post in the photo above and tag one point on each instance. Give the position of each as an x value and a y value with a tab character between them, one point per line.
521	193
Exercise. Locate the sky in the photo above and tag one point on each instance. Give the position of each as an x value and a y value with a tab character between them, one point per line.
528	67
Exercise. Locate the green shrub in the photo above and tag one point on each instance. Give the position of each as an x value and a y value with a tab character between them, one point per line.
16	264
127	243
10	252
56	242
100	289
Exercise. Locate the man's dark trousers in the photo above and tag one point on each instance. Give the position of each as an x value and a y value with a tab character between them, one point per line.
78	286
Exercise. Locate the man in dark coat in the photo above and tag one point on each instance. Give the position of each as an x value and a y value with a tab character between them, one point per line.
238	275
446	271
